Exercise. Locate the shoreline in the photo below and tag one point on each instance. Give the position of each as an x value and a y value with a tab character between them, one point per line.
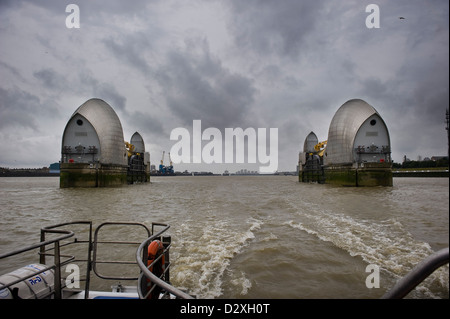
422	173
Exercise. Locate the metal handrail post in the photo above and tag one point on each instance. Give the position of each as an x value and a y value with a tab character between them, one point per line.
42	249
88	264
58	294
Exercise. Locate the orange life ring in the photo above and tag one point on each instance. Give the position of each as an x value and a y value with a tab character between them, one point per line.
155	249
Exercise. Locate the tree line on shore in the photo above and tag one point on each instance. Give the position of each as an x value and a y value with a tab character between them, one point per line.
442	162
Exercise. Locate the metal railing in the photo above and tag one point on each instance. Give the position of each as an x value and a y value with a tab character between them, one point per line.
400	290
53	248
56	266
418	274
146	274
96	243
70	258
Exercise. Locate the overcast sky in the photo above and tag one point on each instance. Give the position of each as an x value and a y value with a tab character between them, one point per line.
286	64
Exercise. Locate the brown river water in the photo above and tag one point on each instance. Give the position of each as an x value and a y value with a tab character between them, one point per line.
258	236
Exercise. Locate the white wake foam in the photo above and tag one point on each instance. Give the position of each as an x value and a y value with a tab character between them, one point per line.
387	244
206	254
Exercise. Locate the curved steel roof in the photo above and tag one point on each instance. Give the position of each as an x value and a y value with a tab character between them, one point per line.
109	130
310	141
138	143
343	128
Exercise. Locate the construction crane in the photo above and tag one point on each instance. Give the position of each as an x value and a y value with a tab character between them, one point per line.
162	168
169	169
166	170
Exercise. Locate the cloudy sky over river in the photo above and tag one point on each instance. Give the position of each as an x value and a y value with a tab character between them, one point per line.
262	64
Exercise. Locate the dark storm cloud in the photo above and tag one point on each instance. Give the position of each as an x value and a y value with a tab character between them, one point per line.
148	125
17	108
50	79
11	70
197	86
131	50
278	27
89	8
417	88
20	109
287	64
429	95
102	90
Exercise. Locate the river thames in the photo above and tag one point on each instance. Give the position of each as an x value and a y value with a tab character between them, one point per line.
258	236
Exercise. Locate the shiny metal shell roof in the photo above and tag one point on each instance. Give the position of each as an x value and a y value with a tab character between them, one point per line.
138	142
109	130
310	141
343	128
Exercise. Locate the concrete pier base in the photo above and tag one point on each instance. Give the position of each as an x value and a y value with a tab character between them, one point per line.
92	175
367	174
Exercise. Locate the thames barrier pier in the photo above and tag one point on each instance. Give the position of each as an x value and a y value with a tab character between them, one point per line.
94	153
357	151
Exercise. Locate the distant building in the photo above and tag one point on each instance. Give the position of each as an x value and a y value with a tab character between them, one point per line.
357	135
437	158
310	142
54	168
138	160
93	152
357	151
311	160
